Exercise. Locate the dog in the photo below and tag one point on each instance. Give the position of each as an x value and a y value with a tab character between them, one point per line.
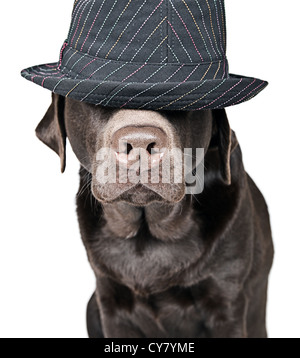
167	264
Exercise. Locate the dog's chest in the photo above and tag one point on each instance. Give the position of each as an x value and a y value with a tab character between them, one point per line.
171	318
145	267
178	312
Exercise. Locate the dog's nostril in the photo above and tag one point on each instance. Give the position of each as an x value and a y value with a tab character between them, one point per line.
129	148
124	148
150	148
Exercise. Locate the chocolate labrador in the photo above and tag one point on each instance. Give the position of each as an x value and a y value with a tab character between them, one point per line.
167	263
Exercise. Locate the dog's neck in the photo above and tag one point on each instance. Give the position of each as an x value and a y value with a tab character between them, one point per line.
165	221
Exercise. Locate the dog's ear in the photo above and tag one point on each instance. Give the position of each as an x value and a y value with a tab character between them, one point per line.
226	142
51	129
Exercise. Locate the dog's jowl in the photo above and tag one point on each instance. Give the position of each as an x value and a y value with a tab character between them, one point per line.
177	233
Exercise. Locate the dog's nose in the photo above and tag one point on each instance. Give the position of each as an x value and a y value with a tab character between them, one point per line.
144	143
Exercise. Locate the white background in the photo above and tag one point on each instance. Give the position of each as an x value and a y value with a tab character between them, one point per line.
45	278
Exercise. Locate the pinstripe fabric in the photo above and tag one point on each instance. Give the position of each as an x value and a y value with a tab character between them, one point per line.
163	54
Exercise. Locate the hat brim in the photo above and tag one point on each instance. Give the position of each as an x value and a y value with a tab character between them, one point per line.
185	96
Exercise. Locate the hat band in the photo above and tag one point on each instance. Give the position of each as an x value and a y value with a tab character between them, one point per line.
77	65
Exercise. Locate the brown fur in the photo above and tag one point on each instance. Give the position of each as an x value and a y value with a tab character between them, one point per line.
168	264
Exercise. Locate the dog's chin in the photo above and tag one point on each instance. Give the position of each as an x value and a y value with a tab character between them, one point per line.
140	196
137	195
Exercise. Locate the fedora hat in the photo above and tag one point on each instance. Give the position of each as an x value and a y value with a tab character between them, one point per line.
141	54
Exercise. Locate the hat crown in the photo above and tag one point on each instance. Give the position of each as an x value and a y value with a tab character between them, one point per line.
156	31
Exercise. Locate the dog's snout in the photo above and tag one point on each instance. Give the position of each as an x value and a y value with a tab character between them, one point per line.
130	142
147	138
